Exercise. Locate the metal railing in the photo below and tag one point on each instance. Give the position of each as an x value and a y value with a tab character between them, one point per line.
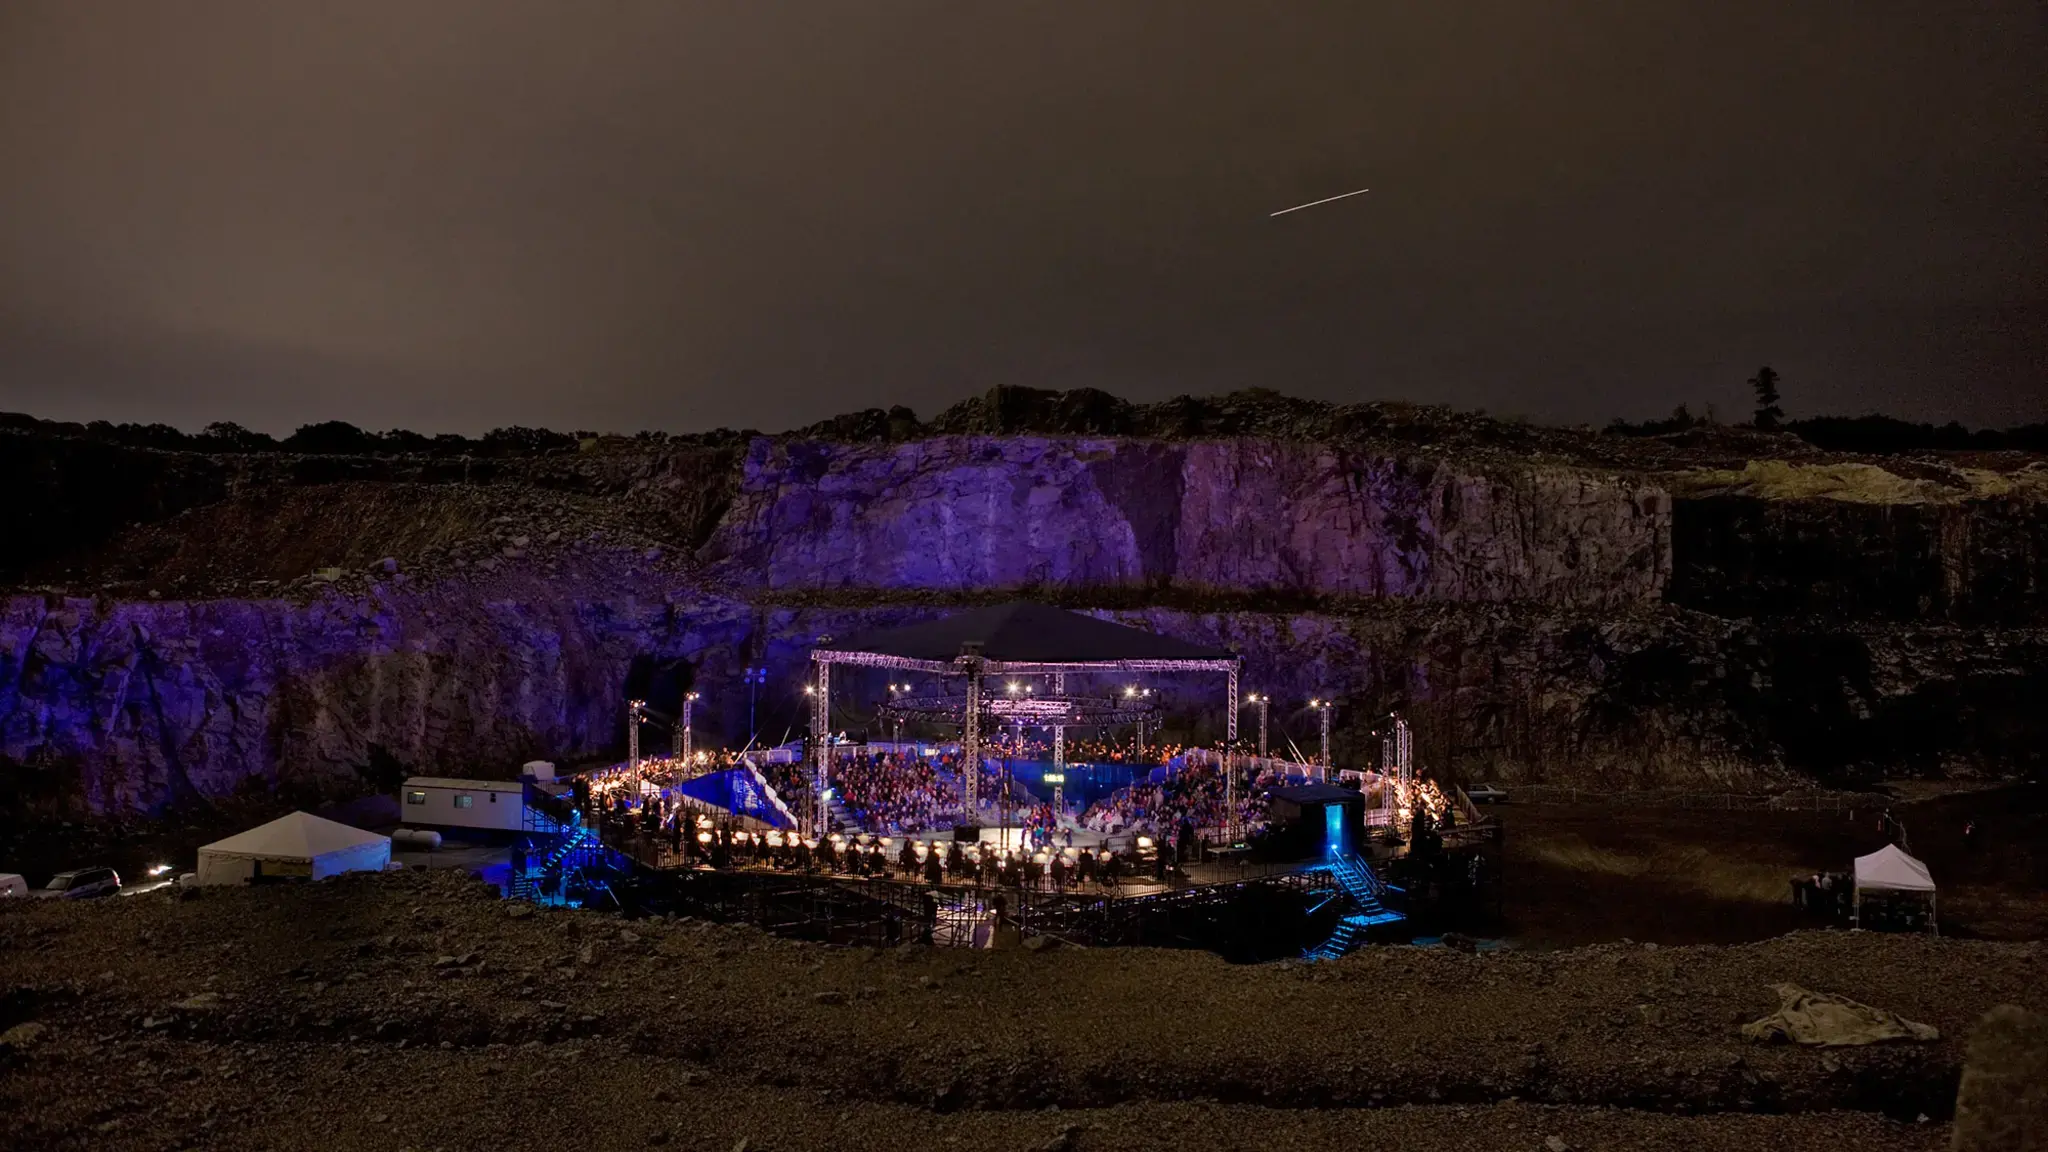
1799	801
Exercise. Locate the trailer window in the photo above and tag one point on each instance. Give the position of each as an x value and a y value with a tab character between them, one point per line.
464	800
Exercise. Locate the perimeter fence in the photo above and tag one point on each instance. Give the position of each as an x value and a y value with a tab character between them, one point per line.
1799	801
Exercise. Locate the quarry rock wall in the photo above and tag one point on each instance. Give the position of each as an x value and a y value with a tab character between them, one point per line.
70	497
1533	621
138	707
1974	561
965	513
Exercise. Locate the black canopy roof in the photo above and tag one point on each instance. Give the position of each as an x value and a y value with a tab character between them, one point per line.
1026	633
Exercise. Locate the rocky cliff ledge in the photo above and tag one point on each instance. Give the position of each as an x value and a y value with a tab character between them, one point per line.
1254	516
1543	604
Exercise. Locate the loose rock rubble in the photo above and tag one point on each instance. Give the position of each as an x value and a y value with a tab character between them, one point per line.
315	1017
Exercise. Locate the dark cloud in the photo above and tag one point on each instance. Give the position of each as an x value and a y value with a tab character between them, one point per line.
478	212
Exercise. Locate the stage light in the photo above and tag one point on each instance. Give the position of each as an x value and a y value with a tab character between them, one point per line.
703	837
1144	841
810	690
1013	687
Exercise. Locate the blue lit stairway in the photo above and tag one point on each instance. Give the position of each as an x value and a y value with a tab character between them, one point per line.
574	846
1370	916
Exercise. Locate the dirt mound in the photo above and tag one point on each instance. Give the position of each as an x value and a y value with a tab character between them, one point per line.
350	980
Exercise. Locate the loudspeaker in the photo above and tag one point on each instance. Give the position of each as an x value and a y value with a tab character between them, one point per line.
966	834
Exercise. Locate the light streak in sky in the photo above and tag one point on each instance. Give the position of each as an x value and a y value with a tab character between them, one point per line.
1324	200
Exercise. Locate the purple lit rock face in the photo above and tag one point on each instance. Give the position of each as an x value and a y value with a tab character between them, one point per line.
1240	515
148	704
155	703
1534	621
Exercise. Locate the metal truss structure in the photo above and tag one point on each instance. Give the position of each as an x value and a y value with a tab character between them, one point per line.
957	667
1056	711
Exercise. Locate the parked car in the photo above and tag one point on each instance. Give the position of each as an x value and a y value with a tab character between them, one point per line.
81	884
1488	794
11	884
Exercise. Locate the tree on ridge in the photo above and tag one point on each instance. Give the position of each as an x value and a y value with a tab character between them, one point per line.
1765	385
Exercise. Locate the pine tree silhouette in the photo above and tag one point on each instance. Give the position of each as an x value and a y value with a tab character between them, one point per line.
1765	385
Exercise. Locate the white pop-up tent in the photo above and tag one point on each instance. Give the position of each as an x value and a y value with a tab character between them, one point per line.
1890	872
298	845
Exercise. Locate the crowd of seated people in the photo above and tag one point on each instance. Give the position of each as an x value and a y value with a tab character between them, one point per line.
1082	751
899	792
895	791
786	777
1195	796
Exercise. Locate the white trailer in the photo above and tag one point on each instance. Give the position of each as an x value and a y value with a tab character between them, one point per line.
444	802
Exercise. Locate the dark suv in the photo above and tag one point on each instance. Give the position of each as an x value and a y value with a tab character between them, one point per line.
82	884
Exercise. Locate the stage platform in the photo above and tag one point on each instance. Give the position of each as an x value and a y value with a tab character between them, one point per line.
1242	908
883	911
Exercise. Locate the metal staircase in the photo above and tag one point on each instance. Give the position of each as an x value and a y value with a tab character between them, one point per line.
1368	896
555	849
837	814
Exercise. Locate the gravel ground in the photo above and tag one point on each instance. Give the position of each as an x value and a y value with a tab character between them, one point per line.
414	1010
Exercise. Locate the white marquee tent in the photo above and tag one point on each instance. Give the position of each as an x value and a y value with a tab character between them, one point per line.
1889	870
300	844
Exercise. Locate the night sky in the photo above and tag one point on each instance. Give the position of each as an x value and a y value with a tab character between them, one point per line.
451	215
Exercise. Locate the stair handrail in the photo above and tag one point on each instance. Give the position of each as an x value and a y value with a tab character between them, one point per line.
1349	867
